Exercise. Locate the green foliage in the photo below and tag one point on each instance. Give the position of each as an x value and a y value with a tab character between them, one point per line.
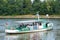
22	7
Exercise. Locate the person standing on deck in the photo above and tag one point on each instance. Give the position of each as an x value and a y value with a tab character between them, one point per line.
35	26
40	26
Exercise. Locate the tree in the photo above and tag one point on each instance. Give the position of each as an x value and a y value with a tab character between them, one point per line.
36	6
27	7
21	7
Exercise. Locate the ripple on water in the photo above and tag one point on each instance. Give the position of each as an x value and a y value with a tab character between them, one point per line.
2	36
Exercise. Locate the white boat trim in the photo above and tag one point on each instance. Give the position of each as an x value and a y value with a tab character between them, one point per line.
17	31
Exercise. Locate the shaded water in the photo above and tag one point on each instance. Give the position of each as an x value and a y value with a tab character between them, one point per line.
46	35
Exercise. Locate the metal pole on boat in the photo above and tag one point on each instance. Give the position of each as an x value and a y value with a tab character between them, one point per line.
38	15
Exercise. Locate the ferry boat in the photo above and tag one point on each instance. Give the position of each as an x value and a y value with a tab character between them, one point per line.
29	26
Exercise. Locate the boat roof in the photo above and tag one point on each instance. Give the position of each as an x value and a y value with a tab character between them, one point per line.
29	21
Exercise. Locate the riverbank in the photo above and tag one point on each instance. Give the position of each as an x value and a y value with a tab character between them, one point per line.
30	16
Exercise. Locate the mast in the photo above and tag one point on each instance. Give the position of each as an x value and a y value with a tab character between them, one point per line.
38	15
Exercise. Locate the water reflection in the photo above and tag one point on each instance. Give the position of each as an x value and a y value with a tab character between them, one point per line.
32	36
2	36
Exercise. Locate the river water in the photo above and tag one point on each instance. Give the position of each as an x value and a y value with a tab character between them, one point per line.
46	35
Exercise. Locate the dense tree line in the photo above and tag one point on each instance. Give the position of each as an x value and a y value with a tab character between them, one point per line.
22	7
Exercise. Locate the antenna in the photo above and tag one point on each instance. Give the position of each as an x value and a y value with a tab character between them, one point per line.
38	15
